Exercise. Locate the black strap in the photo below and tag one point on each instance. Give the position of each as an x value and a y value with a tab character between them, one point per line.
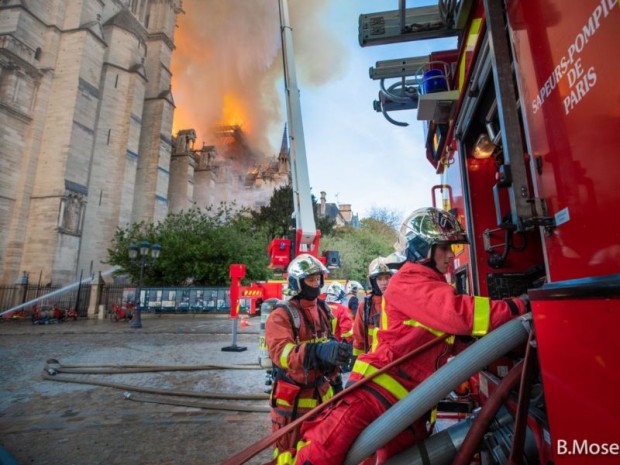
514	309
367	308
377	395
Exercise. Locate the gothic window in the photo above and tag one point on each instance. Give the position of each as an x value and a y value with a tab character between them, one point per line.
71	213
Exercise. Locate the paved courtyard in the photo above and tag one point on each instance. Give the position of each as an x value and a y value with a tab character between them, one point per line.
44	422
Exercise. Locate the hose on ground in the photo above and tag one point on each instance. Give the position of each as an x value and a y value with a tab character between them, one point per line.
203	405
426	395
127	387
53	366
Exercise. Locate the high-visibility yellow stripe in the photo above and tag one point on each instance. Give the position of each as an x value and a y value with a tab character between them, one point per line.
303	402
372	332
348	333
328	395
482	316
284	355
300	445
285	458
384	380
384	321
423	326
357	352
472	37
334	324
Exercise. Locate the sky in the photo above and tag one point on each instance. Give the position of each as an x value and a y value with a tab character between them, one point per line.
228	66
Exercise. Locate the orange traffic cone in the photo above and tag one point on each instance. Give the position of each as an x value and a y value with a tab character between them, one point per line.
243	322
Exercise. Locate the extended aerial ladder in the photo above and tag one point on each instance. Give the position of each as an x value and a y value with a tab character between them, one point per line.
307	236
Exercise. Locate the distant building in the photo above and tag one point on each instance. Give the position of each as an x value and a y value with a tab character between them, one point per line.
341	214
229	171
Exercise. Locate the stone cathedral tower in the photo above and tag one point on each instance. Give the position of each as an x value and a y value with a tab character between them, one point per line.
85	129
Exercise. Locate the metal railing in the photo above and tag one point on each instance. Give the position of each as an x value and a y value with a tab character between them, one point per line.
18	294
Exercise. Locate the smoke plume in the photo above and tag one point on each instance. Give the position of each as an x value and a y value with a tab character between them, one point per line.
227	66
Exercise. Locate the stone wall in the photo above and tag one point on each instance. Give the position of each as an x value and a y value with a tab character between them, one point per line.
85	124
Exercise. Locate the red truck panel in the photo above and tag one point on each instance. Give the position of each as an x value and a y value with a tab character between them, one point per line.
581	375
568	71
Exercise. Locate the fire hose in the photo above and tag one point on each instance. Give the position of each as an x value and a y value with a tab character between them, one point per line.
461	440
53	366
426	395
55	371
251	451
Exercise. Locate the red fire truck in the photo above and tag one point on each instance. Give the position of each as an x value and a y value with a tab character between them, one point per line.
521	124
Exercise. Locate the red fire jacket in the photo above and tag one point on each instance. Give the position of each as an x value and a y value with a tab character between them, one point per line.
342	326
287	345
366	324
297	389
418	306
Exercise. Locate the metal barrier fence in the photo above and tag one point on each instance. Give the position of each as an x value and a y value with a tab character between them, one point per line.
154	300
16	294
171	299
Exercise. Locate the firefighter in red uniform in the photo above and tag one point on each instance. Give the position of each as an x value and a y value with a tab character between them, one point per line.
342	326
366	322
305	355
418	306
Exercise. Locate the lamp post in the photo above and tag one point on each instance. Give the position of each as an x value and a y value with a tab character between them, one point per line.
148	253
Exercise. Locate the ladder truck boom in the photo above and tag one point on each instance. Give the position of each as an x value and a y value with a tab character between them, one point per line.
302	199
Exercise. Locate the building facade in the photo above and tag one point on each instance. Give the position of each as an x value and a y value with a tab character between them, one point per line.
85	129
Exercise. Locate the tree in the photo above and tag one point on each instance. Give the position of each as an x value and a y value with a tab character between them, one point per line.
359	246
387	216
197	249
276	219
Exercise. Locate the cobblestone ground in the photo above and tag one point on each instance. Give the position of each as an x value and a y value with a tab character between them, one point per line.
44	422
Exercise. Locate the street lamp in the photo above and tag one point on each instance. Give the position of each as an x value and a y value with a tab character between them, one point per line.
145	250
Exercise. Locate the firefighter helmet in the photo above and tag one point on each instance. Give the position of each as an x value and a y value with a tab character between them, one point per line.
425	228
301	267
335	292
395	260
353	287
379	266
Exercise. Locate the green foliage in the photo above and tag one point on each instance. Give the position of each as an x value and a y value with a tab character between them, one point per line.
359	246
196	248
275	218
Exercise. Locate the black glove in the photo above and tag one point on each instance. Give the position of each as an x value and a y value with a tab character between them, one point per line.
327	355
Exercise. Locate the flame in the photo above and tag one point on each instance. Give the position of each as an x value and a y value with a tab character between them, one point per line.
234	113
227	65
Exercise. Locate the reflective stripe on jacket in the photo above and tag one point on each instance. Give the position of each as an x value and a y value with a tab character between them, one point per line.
366	325
418	306
287	347
342	326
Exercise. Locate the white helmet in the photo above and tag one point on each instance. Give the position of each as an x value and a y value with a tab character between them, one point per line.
353	287
301	267
335	292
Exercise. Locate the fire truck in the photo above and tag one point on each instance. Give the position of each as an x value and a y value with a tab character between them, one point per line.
520	122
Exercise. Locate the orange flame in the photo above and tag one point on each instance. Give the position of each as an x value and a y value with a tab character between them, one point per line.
234	113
